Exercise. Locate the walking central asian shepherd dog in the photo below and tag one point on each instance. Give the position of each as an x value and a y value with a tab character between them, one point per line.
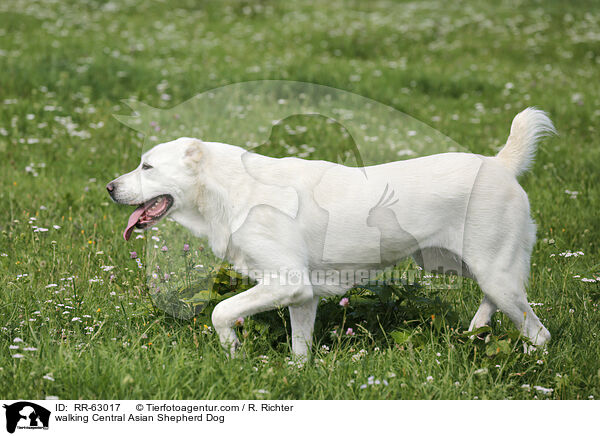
277	215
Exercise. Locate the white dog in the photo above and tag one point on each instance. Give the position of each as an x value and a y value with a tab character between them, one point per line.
285	221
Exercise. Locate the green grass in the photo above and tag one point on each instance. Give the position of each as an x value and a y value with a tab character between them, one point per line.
449	65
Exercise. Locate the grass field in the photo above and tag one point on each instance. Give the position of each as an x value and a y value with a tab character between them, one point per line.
76	320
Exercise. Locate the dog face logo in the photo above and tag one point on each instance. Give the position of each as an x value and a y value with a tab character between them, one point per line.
26	415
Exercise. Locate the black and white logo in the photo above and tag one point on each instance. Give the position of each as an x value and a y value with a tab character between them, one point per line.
26	415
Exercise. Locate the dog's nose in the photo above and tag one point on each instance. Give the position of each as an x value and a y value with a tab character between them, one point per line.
110	187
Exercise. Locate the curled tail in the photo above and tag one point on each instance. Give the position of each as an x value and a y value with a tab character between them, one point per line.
525	131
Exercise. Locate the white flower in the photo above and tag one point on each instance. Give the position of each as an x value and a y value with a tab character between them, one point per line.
48	377
18	356
570	253
572	194
17	340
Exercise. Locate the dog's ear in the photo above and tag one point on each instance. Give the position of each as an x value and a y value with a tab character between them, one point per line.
194	151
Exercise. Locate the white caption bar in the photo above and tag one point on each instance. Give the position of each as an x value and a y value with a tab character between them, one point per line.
295	417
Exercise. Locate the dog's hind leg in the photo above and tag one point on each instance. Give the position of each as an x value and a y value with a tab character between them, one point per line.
302	318
502	279
484	314
509	296
498	240
502	275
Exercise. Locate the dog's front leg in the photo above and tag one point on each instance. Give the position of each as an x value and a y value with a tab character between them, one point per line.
260	298
302	318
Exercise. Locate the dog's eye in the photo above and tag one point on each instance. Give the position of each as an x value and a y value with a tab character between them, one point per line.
146	166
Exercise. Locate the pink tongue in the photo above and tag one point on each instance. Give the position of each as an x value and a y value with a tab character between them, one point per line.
133	219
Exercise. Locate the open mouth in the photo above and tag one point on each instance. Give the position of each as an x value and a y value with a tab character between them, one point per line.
148	213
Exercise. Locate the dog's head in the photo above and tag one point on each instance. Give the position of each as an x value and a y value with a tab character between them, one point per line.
158	185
